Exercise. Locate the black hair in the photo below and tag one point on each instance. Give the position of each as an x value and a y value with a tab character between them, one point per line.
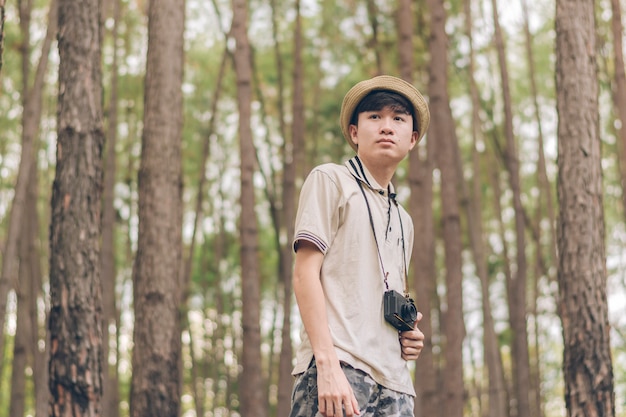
379	99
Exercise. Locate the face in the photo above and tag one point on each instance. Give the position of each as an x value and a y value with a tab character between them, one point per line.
384	136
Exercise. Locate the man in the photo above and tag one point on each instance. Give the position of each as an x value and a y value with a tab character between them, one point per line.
353	242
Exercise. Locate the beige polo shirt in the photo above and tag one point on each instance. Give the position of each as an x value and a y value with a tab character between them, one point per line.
333	215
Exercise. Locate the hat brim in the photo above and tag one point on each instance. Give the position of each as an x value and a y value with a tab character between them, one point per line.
383	83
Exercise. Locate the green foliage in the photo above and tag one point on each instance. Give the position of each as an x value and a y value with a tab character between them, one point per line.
10	103
5	375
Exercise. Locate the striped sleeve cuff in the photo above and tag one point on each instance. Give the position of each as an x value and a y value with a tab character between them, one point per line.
311	238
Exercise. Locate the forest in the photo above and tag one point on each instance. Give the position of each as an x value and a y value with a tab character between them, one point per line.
151	157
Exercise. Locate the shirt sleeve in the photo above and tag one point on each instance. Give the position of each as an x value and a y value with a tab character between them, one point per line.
319	210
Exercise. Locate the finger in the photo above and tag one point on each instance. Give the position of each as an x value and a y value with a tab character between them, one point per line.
325	407
419	318
411	334
417	343
352	408
338	408
355	406
411	338
348	411
322	406
412	355
411	352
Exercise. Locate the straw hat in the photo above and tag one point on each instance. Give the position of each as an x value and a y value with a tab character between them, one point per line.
388	83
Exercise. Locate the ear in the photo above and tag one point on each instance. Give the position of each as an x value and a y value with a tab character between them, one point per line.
353	129
414	137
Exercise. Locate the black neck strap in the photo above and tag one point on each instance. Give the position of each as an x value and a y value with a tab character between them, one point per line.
380	258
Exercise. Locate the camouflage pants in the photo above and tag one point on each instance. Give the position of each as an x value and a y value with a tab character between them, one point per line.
374	399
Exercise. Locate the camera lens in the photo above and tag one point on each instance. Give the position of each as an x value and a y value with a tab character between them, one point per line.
409	313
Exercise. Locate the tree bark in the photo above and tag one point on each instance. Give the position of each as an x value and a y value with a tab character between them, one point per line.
582	275
444	135
251	381
75	287
157	375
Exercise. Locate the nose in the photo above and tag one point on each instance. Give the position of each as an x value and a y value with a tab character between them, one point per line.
386	125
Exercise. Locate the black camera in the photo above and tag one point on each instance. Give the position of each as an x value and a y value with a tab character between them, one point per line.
400	311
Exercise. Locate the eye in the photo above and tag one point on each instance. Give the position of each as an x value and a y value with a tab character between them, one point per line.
374	116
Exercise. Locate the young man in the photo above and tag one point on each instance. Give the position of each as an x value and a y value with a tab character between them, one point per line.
353	242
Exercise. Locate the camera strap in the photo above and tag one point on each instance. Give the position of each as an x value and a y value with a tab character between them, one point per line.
380	258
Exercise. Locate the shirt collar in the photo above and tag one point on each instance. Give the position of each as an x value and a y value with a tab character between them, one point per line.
358	169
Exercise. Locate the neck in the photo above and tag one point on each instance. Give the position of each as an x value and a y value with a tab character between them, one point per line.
382	173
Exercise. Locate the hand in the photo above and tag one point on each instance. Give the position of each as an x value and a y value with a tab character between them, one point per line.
412	341
335	395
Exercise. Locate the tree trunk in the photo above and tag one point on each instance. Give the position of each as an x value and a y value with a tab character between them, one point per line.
21	345
619	93
542	173
282	225
110	396
444	135
517	300
372	14
31	122
157	375
2	18
494	178
31	118
35	276
427	387
293	166
497	406
545	209
75	317
214	367
535	368
197	377
220	373
404	24
582	275
28	259
26	344
251	382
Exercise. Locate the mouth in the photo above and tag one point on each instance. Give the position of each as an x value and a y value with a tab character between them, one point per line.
386	141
